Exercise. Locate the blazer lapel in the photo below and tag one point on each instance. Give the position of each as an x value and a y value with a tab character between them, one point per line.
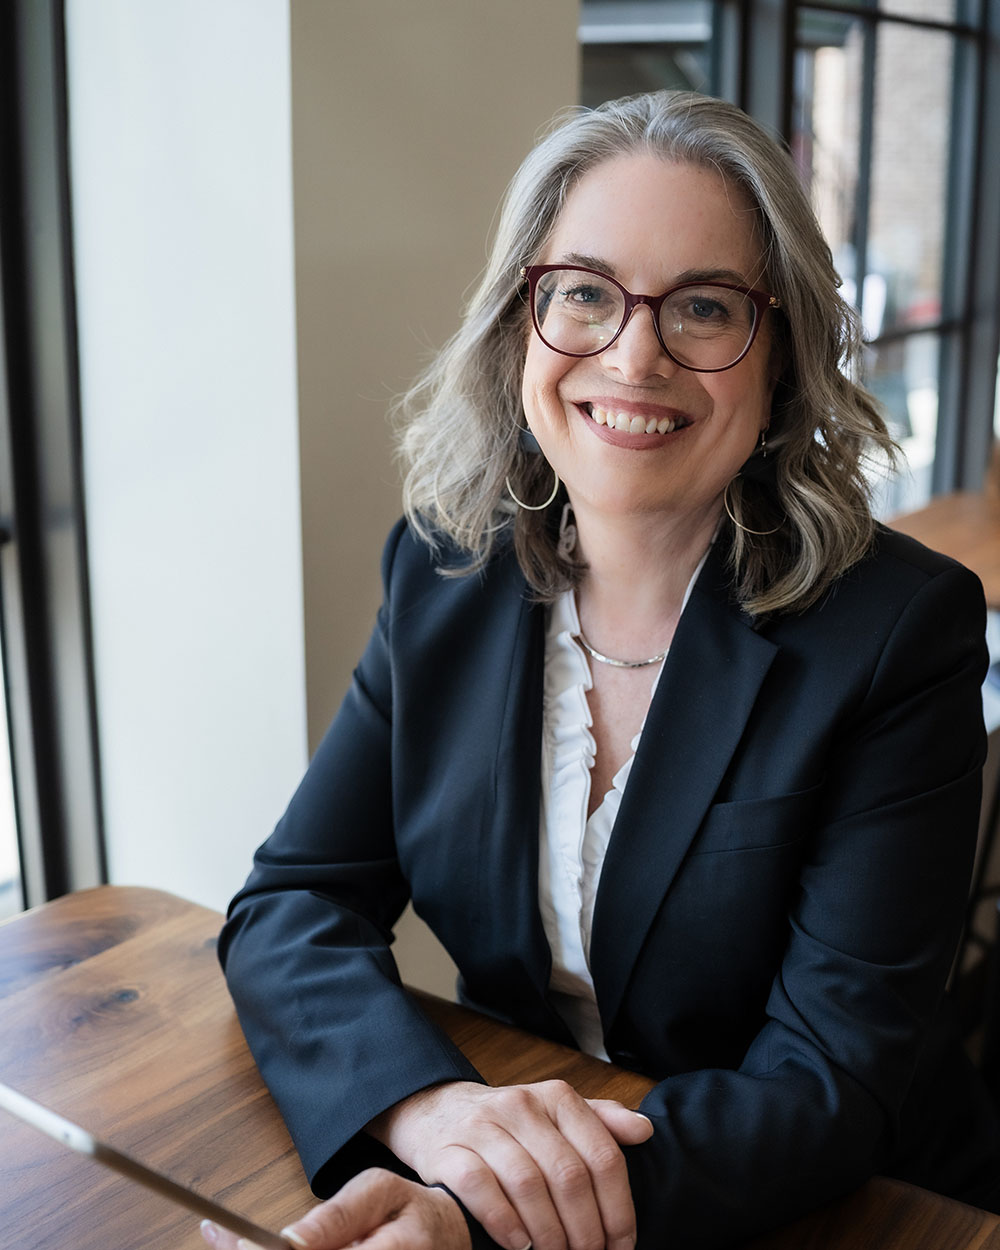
705	694
512	953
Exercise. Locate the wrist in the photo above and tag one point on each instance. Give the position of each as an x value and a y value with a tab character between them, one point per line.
479	1239
391	1127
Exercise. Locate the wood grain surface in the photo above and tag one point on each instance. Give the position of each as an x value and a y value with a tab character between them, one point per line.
966	526
507	1056
115	1014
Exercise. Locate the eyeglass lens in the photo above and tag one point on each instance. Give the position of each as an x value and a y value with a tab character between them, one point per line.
705	326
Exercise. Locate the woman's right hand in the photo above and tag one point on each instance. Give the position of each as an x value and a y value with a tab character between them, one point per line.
377	1209
535	1164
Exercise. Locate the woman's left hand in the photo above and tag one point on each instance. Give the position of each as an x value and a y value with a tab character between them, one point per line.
378	1209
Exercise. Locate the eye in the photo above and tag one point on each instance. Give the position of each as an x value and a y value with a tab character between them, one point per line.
706	308
707	311
584	293
571	302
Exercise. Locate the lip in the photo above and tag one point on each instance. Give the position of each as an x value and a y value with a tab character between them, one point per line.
639	441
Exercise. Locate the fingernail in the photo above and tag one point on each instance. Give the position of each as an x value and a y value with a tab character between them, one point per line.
210	1232
519	1241
295	1238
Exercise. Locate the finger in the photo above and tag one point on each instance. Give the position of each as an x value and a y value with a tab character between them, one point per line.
596	1146
218	1238
472	1180
545	1175
628	1128
547	1181
431	1220
411	1217
366	1201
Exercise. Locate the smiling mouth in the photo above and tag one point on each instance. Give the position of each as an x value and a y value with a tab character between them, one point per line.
630	423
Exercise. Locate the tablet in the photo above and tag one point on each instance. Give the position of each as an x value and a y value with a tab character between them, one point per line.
78	1139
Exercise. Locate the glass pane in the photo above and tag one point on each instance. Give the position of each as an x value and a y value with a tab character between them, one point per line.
909	173
610	71
826	138
892	209
935	10
996	405
640	45
10	871
903	231
903	376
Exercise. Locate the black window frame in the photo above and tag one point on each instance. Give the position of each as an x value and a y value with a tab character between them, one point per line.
45	621
753	58
970	322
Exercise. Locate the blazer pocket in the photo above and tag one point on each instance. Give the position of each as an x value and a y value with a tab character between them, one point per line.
757	824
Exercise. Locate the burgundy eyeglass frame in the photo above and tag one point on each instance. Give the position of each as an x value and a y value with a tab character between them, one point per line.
760	300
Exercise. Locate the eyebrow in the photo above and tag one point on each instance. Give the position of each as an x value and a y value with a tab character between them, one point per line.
689	275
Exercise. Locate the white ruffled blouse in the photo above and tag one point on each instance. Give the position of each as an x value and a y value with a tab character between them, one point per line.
571	846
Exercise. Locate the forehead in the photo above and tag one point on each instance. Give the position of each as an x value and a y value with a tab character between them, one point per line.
654	221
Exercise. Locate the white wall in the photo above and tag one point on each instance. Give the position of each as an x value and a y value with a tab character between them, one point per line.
230	480
181	178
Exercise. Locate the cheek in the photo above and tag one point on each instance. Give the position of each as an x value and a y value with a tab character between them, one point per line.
748	399
543	371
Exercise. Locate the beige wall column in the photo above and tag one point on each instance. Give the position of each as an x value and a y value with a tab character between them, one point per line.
408	120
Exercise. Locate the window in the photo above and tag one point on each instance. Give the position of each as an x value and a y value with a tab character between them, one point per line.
642	45
11	898
10	862
44	616
880	118
891	113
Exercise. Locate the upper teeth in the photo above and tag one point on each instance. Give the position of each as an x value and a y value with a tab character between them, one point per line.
632	425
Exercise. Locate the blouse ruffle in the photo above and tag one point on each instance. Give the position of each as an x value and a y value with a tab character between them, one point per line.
572	847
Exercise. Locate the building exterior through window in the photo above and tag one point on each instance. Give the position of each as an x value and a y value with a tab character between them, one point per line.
883	108
10	868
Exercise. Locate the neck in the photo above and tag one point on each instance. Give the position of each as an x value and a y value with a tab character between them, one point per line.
638	571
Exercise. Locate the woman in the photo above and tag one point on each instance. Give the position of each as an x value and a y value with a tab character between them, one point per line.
676	750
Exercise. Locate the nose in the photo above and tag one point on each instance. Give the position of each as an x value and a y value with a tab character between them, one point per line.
637	354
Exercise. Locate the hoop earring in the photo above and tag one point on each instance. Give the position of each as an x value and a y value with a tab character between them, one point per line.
537	507
744	528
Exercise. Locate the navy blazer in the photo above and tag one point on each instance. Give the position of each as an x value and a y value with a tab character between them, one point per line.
777	912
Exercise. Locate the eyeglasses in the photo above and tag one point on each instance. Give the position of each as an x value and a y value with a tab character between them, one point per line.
702	326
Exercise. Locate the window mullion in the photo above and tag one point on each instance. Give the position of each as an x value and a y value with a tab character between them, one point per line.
983	338
46	605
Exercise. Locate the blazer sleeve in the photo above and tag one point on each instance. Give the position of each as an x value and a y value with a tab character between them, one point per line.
815	1107
305	947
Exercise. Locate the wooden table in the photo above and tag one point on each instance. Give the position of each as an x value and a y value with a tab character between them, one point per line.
114	1012
966	526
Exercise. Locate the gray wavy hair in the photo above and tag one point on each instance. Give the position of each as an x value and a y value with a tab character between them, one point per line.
459	424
